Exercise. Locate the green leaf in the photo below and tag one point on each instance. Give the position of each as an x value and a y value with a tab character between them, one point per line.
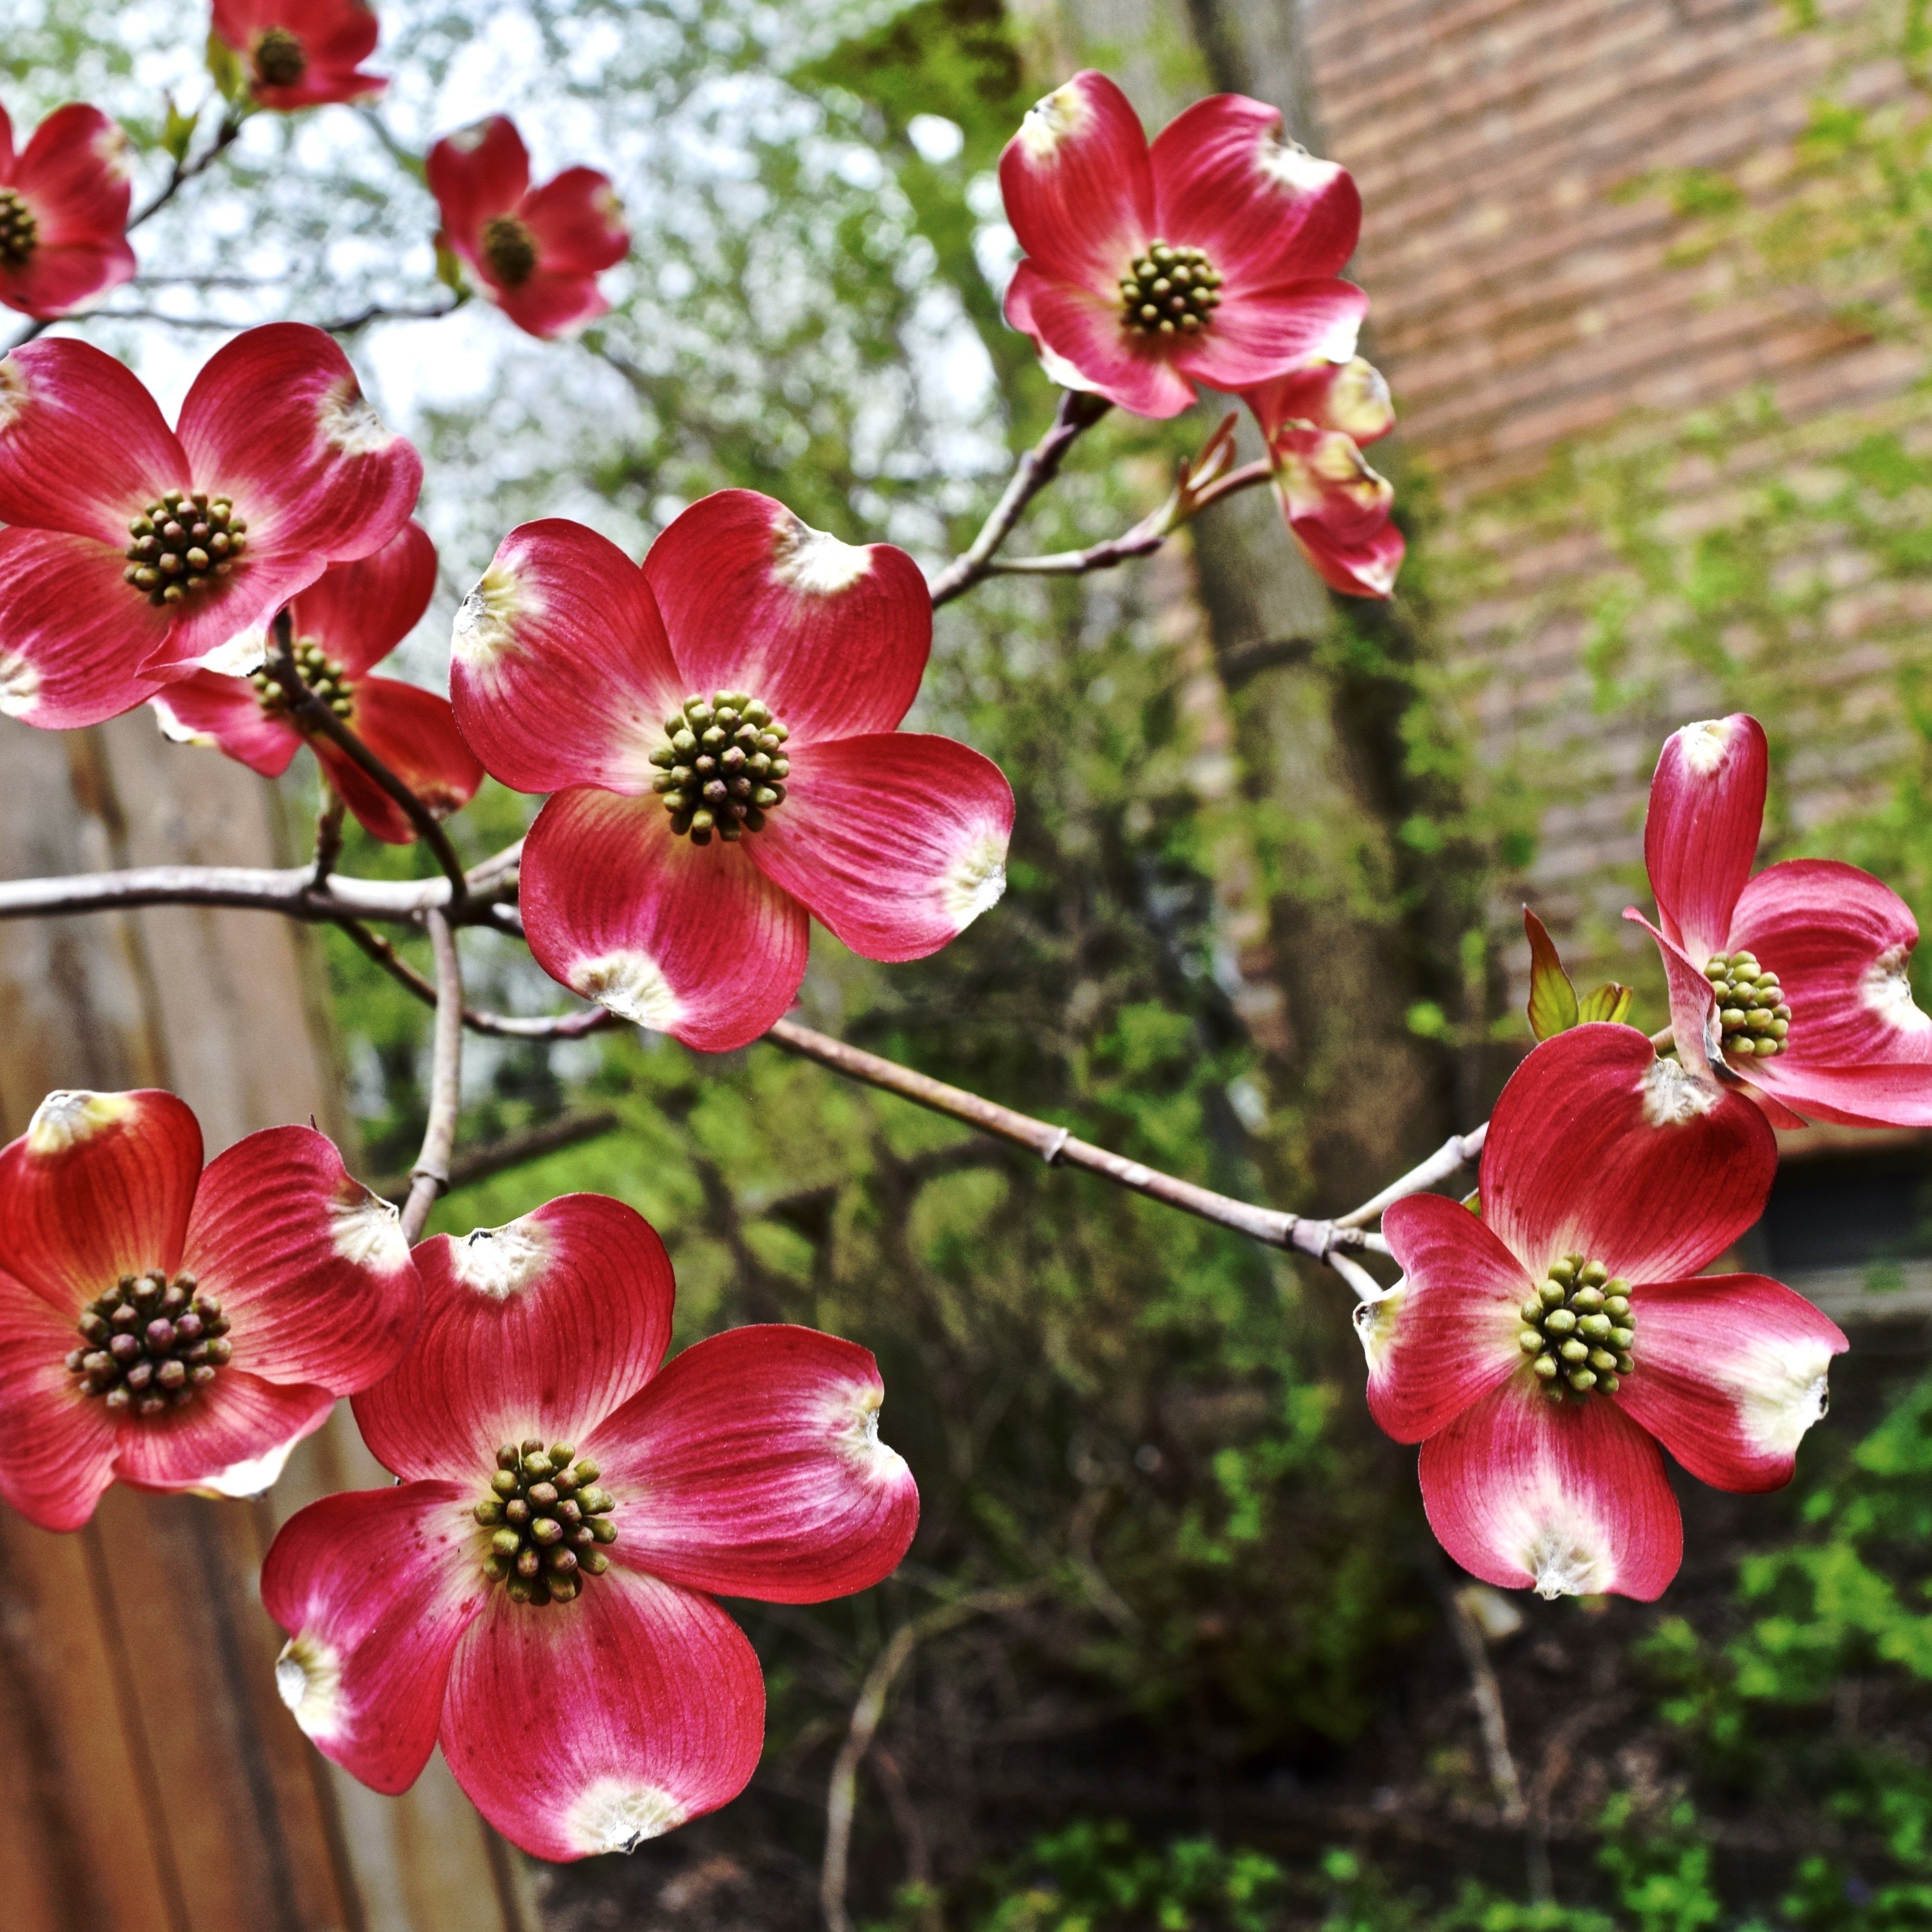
225	70
177	131
1610	1002
1552	1000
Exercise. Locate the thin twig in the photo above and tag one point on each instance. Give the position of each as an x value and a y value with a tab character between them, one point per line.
429	1179
1037	468
1456	1151
379	312
327	835
1146	537
289	891
514	1150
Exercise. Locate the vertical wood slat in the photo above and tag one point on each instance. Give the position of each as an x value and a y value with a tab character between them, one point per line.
155	1783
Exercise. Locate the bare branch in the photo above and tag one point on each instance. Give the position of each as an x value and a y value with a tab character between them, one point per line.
514	1150
429	1180
348	325
327	835
291	892
1456	1151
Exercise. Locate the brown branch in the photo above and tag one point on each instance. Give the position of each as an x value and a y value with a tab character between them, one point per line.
327	835
429	1180
1037	468
1456	1151
291	892
514	1150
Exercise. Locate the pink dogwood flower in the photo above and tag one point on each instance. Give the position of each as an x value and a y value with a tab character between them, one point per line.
1315	419
63	212
537	1589
137	551
539	251
1540	1349
301	53
717	730
1795	981
174	1327
1210	257
349	620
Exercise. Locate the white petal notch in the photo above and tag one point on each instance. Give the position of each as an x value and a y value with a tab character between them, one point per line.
614	1816
499	1262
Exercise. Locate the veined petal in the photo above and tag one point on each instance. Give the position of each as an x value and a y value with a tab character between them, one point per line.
359	612
1083	344
1337	509
209	626
1351	397
83	448
73	635
479	171
231	1440
312	1269
1568	1499
1451	1338
832	636
1258	333
59	278
1694	1027
897	841
692	941
74	177
1701	833
1228	181
1077	184
752	1466
559	670
60	1443
591	1727
99	1186
552	303
578	223
375	1589
208	709
541	1328
1598	1147
1730	1372
414	733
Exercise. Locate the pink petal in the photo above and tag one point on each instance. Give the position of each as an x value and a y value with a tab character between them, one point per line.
334	34
1077	184
755	1464
1598	1147
375	1589
73	634
1694	1026
1446	1336
1730	1373
578	223
480	171
232	1439
359	612
539	1328
60	1443
559	669
590	1727
82	447
99	1186
1706	809
897	842
695	943
1567	1498
1261	208
312	1269
692	941
414	733
1351	396
833	636
56	280
1083	344
1258	333
1860	1051
74	177
1337	508
208	709
551	304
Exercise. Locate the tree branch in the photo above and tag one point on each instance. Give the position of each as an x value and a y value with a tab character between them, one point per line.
514	1150
1455	1152
429	1180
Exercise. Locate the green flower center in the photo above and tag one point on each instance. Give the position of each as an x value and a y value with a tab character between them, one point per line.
1169	291
722	768
510	249
548	1521
1752	1010
19	230
151	1344
279	59
321	673
184	541
1578	1329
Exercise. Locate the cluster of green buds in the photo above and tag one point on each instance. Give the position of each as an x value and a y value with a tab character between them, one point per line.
151	1343
1751	1007
329	682
724	767
19	230
183	540
1170	292
279	59
549	1521
1578	1327
510	249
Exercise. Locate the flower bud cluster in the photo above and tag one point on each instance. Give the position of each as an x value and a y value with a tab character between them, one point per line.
724	767
328	681
19	230
1578	1329
550	1521
1170	292
510	249
183	541
151	1343
1752	1010
279	61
